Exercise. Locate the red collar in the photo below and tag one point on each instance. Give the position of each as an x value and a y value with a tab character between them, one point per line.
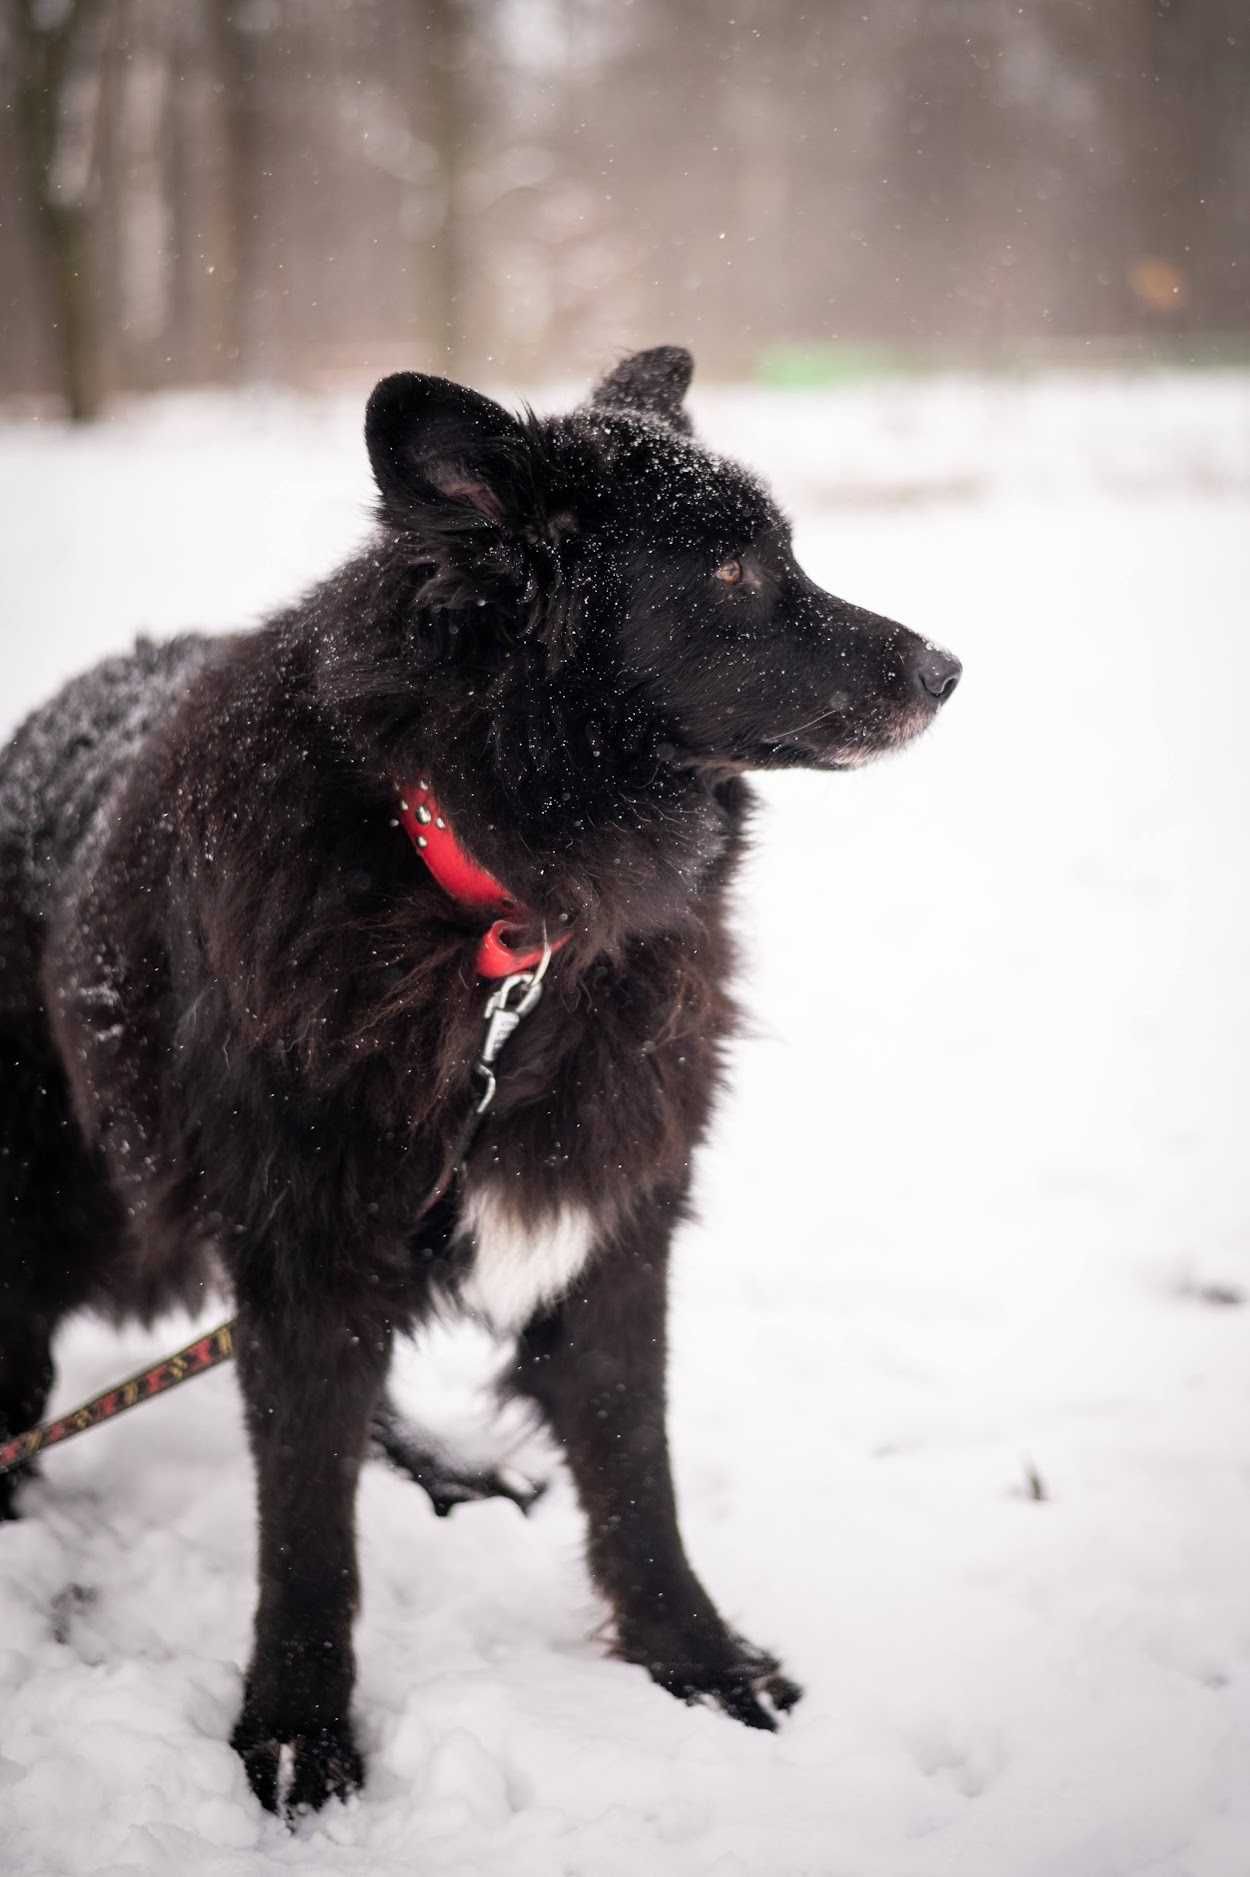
469	884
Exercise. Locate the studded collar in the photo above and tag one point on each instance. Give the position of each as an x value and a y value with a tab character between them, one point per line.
469	884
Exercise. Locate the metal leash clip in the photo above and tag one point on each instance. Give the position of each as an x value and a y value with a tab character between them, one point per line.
508	1003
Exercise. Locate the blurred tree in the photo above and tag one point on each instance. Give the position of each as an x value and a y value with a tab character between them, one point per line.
236	37
444	284
61	68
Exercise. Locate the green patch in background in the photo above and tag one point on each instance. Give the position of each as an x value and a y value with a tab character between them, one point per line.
810	365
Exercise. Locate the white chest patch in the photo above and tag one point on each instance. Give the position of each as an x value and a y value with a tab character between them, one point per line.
518	1268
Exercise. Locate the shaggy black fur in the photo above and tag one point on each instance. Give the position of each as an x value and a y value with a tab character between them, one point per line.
237	1017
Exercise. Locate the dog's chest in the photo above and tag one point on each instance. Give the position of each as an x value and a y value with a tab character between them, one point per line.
624	1097
519	1266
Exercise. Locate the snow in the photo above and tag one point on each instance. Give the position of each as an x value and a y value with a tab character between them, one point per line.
981	1177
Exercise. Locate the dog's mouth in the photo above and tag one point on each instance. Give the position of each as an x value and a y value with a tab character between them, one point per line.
837	739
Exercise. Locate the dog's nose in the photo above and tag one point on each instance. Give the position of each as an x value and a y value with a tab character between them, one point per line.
936	673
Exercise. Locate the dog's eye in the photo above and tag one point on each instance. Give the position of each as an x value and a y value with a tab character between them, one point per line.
730	572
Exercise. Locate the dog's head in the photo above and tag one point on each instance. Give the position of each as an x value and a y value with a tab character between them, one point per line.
609	566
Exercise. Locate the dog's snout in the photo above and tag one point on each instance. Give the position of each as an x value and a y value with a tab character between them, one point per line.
936	673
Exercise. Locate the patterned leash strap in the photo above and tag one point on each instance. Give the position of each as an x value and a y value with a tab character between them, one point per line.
204	1353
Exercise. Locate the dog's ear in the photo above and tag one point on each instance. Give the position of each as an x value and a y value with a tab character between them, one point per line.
433	443
653	383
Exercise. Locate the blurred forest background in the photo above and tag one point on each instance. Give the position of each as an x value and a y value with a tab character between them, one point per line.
303	191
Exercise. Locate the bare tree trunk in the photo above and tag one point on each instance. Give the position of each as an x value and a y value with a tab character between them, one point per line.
178	164
236	53
60	59
446	277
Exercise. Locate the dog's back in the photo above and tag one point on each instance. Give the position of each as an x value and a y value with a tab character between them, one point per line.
61	1227
57	776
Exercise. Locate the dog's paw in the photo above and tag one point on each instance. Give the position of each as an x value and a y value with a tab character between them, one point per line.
292	1771
445	1481
448	1487
746	1683
10	1486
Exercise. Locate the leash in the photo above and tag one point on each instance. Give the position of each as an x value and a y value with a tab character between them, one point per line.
510	1002
196	1359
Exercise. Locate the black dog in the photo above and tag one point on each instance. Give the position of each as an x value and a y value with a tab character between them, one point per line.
239	1016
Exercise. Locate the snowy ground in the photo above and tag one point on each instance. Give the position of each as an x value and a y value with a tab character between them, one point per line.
969	1213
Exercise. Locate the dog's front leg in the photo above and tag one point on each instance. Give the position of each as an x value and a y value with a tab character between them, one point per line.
310	1378
595	1365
